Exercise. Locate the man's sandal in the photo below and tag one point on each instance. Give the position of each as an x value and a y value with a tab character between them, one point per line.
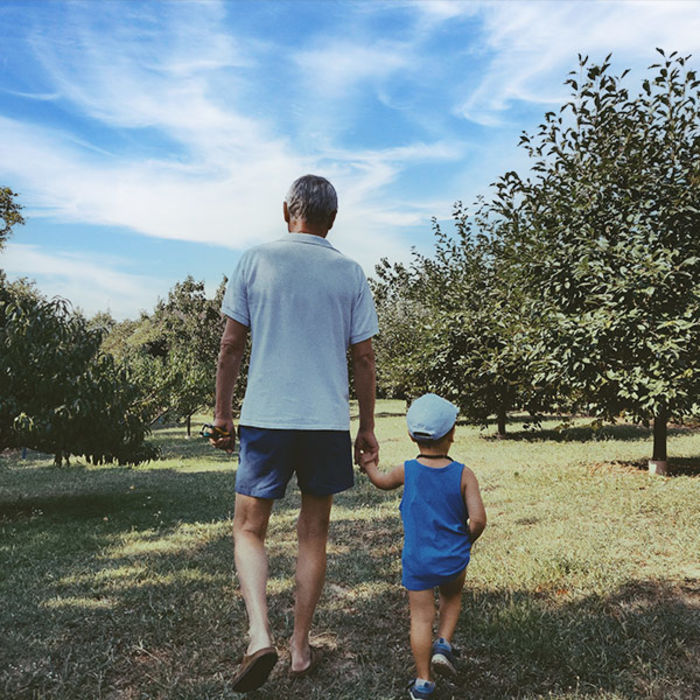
315	660
254	670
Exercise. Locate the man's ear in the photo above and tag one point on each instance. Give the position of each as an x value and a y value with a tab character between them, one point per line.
331	220
285	209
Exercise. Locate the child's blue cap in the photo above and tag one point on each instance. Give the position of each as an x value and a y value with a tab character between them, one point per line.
431	417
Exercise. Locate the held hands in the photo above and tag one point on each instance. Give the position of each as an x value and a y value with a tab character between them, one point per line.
368	463
366	450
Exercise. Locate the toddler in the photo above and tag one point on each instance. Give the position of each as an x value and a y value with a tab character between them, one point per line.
442	514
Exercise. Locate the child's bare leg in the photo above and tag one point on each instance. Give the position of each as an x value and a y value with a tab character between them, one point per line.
422	605
450	606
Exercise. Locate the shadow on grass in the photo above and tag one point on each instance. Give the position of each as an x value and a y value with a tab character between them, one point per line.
171	624
146	604
621	431
122	498
677	466
642	640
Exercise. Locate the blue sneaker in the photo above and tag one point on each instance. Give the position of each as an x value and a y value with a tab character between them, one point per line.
416	692
442	660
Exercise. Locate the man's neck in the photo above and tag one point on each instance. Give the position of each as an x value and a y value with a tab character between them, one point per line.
296	226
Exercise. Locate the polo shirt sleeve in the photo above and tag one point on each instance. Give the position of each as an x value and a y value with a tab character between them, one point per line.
364	322
235	303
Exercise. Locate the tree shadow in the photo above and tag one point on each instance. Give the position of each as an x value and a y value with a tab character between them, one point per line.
170	623
620	431
677	466
125	498
147	604
641	640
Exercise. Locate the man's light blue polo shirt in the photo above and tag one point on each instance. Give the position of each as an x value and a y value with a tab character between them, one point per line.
304	303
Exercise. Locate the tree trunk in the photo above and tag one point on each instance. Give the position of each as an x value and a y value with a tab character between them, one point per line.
658	463
501	421
189	426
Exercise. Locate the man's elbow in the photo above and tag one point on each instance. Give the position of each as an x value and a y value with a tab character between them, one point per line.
231	349
363	359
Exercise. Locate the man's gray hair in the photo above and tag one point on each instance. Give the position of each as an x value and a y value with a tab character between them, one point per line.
312	198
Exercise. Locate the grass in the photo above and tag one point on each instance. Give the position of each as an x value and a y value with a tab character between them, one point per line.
120	583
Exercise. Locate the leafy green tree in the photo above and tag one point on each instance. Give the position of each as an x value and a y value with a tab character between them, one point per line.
610	246
455	321
190	326
58	392
173	352
404	333
9	214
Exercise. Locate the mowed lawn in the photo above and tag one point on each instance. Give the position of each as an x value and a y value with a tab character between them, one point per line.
120	583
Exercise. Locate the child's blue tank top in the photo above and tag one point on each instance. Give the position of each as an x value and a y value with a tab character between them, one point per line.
436	542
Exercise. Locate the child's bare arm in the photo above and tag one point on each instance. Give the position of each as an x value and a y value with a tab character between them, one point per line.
383	480
475	506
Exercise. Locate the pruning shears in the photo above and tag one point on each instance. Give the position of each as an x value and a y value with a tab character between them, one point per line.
213	432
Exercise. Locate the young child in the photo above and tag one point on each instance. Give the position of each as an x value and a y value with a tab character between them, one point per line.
442	514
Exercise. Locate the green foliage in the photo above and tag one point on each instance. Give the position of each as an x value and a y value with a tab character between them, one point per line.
9	214
58	392
404	338
172	353
453	323
611	241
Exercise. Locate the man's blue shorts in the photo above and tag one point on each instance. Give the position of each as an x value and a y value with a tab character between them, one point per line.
267	458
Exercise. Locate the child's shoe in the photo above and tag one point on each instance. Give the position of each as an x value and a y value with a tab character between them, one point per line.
442	660
419	689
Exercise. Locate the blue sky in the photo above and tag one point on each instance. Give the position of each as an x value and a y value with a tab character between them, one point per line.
152	140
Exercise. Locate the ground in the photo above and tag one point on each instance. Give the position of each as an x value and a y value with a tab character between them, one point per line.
119	583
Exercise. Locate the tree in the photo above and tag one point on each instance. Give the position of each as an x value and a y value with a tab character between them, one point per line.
404	333
190	326
173	352
453	322
9	214
58	392
612	243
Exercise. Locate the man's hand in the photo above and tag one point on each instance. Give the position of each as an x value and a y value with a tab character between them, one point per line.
368	463
224	443
366	448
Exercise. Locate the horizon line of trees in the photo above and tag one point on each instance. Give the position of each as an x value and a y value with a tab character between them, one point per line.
575	288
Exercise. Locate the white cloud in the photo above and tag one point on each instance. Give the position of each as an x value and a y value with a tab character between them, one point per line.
531	46
225	182
94	281
179	72
339	66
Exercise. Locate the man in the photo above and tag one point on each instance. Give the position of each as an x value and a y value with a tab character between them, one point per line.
304	304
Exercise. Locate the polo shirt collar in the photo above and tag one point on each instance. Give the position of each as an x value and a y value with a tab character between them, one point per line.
309	238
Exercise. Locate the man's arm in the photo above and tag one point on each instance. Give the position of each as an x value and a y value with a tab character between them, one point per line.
366	446
233	342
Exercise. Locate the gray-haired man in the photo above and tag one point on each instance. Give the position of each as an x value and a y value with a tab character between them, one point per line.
304	304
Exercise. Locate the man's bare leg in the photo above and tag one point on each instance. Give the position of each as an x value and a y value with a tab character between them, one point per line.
250	520
312	534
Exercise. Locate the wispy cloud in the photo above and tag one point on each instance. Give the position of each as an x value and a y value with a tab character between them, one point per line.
188	120
226	180
336	68
530	46
96	282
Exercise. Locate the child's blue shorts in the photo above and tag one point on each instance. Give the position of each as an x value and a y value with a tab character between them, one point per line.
322	460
